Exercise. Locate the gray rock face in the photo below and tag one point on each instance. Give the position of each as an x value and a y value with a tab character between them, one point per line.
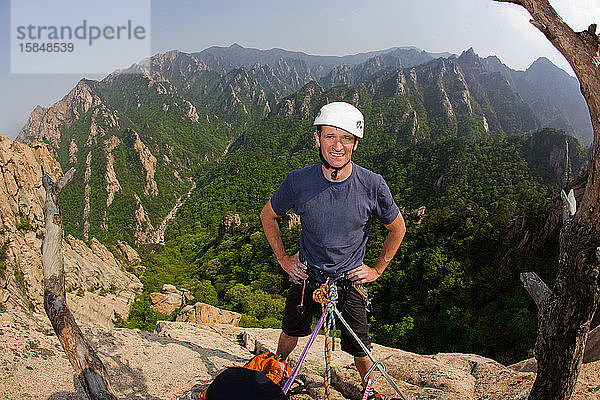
45	123
201	313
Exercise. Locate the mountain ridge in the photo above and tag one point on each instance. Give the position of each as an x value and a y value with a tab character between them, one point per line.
175	111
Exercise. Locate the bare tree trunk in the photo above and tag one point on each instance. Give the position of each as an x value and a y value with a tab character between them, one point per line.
88	367
565	313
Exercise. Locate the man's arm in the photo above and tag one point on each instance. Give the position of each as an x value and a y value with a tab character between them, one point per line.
364	273
290	264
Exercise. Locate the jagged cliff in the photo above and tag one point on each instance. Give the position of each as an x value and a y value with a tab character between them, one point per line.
98	286
123	169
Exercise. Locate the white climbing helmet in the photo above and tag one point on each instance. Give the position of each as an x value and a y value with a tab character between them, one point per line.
342	115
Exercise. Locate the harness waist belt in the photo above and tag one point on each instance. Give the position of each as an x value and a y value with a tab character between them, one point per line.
318	275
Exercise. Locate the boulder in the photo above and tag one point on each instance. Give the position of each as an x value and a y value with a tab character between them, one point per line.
170	289
165	303
170	299
201	313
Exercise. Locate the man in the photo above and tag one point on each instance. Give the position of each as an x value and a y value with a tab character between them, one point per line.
335	200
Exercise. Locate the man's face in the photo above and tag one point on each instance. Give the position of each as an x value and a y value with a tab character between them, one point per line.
336	145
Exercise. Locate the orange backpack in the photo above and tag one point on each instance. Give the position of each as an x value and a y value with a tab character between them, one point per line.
272	366
269	364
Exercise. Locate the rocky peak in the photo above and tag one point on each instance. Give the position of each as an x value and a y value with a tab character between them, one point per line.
173	71
469	56
45	124
299	104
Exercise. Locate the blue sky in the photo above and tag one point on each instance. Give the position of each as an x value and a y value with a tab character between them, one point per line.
314	27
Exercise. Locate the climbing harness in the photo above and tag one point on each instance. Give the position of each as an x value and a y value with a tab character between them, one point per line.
362	290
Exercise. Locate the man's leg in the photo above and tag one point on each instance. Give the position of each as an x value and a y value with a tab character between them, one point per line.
353	309
294	322
362	366
286	345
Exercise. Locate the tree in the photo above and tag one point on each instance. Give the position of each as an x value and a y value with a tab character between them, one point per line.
90	371
566	310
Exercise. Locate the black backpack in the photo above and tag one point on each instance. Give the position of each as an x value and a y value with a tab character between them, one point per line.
238	383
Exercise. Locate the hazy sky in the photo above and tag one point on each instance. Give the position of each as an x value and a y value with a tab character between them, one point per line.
314	27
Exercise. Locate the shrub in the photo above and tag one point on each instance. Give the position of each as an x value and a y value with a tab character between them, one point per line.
25	225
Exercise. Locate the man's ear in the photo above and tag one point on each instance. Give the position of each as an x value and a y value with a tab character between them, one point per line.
317	140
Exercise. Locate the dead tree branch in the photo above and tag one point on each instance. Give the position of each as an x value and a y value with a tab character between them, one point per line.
89	369
536	288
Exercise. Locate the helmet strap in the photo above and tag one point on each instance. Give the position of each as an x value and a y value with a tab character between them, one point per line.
335	171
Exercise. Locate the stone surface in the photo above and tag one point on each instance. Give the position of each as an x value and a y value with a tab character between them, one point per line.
181	359
170	299
129	254
201	313
165	303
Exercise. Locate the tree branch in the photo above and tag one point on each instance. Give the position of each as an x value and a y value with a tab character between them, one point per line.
569	204
536	288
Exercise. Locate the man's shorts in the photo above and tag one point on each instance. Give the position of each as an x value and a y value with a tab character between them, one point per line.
350	303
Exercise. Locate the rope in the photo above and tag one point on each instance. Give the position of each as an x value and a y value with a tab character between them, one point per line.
327	295
370	384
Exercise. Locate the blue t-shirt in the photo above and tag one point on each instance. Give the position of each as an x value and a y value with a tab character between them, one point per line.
335	216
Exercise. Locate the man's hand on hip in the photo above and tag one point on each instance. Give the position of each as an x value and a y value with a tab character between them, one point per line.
293	267
363	274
